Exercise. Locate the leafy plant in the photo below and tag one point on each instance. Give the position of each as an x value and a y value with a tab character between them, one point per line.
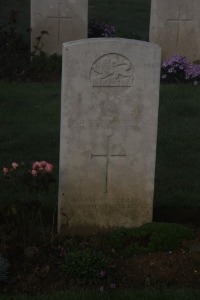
39	44
3	269
85	265
45	67
149	237
36	177
24	210
17	62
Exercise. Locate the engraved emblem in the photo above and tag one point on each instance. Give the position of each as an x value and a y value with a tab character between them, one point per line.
112	70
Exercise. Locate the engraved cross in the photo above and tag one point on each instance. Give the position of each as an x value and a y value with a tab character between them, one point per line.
108	156
59	19
179	21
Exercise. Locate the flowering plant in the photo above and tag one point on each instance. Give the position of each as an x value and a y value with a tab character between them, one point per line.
100	30
178	69
37	177
24	187
192	73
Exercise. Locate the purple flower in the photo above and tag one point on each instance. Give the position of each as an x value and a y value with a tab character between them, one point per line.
177	69
112	285
101	30
175	61
192	71
102	274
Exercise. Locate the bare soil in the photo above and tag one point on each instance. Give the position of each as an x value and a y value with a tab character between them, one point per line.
39	269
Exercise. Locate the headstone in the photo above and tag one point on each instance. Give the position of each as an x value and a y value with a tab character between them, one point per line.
64	20
175	26
110	96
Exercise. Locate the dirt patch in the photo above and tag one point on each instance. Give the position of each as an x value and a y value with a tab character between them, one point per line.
40	269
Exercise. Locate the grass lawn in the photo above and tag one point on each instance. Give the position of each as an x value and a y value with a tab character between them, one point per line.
30	114
178	147
30	118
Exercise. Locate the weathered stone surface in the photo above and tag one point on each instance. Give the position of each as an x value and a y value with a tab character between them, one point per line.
64	20
110	96
175	26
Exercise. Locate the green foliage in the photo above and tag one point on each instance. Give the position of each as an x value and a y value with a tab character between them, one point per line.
85	265
149	237
22	212
177	178
3	269
15	56
45	67
45	63
14	51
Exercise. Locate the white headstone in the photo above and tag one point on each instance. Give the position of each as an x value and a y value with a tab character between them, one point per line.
175	26
110	96
64	20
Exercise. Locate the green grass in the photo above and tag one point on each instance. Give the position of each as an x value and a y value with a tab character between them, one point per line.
30	122
30	118
177	173
145	294
30	114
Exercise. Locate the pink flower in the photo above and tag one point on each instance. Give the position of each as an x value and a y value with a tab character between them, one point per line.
36	165
5	170
48	168
34	173
43	163
15	165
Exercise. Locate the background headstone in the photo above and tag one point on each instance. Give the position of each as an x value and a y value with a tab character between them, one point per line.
110	96
175	26
64	20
